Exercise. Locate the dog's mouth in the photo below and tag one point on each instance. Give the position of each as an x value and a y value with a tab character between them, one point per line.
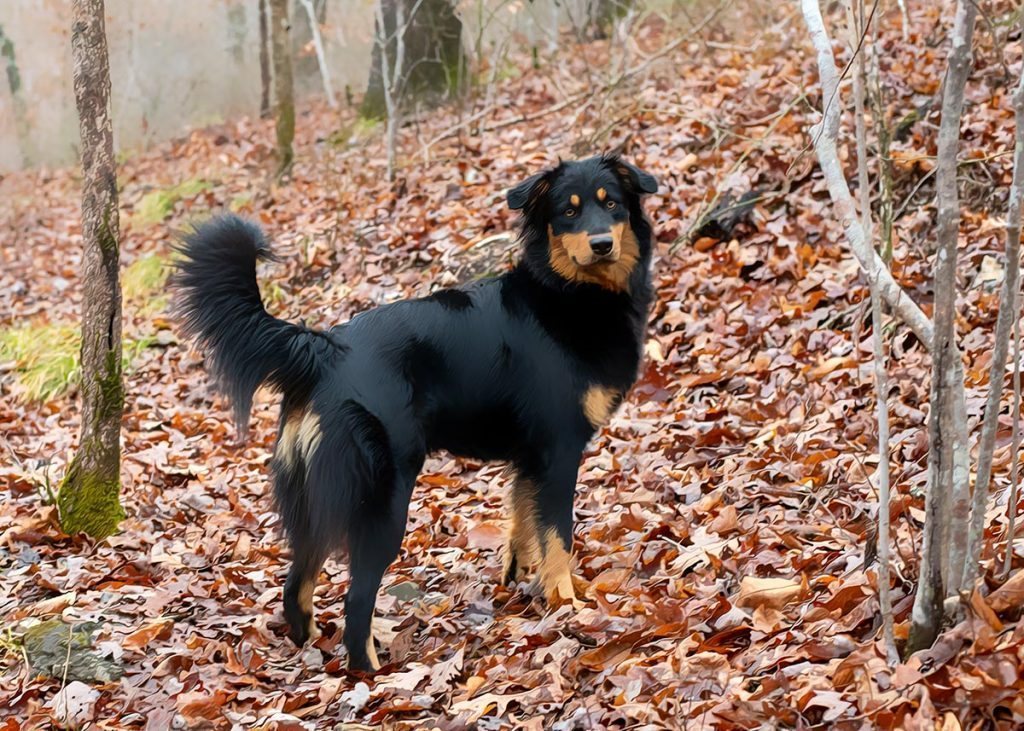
593	258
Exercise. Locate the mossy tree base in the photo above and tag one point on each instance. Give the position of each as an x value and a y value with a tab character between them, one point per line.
88	502
88	496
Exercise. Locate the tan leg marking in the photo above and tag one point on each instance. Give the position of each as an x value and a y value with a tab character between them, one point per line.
598	404
523	543
306	604
371	651
299	438
556	571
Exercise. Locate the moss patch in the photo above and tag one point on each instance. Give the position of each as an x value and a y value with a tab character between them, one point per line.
144	276
46	358
88	501
156	205
143	284
357	130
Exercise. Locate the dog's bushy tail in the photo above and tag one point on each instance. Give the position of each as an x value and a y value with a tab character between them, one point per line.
218	304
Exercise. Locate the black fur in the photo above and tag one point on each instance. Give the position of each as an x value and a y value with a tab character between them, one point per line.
219	305
496	370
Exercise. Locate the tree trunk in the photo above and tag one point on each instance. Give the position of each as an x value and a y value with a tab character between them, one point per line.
1008	311
1011	503
602	15
264	62
284	99
88	497
943	516
433	66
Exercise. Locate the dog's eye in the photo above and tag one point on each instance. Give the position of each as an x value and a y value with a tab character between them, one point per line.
609	205
570	212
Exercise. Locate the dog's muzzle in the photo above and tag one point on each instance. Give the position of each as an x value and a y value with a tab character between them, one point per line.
601	244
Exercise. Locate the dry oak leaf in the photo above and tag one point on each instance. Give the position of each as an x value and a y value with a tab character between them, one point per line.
197	706
774	593
1009	595
479	706
607	581
612	652
157	629
486	535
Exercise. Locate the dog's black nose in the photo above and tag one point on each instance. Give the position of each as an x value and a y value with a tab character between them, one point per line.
601	245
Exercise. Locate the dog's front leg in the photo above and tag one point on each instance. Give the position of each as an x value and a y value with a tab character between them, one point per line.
554	501
522	549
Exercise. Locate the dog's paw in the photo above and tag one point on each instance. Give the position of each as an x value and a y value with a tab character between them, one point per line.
302	630
513	570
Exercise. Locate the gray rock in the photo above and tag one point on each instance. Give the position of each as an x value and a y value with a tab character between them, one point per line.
46	646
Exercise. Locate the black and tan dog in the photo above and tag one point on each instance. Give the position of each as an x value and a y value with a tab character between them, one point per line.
524	367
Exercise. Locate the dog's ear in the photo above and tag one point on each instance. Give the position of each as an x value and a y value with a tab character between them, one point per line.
522	195
638	180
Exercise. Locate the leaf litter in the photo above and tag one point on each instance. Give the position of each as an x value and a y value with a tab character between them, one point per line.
722	516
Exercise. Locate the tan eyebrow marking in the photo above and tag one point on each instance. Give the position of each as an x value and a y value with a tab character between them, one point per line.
602	194
574	199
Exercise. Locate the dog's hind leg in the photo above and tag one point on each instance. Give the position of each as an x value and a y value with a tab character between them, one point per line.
307	560
374	542
308	549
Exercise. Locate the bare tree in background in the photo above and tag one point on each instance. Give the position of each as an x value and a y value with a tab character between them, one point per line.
318	44
417	55
88	499
22	124
284	94
1011	503
601	15
264	61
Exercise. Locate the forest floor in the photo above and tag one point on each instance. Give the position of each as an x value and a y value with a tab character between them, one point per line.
722	517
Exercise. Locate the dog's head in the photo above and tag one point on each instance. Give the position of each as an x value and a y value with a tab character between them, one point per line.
581	219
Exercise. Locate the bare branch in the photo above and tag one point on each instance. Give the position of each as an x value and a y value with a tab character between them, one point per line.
825	135
318	44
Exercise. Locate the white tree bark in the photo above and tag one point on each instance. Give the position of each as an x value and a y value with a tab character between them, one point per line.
857	30
391	124
1004	324
1011	505
943	432
321	58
